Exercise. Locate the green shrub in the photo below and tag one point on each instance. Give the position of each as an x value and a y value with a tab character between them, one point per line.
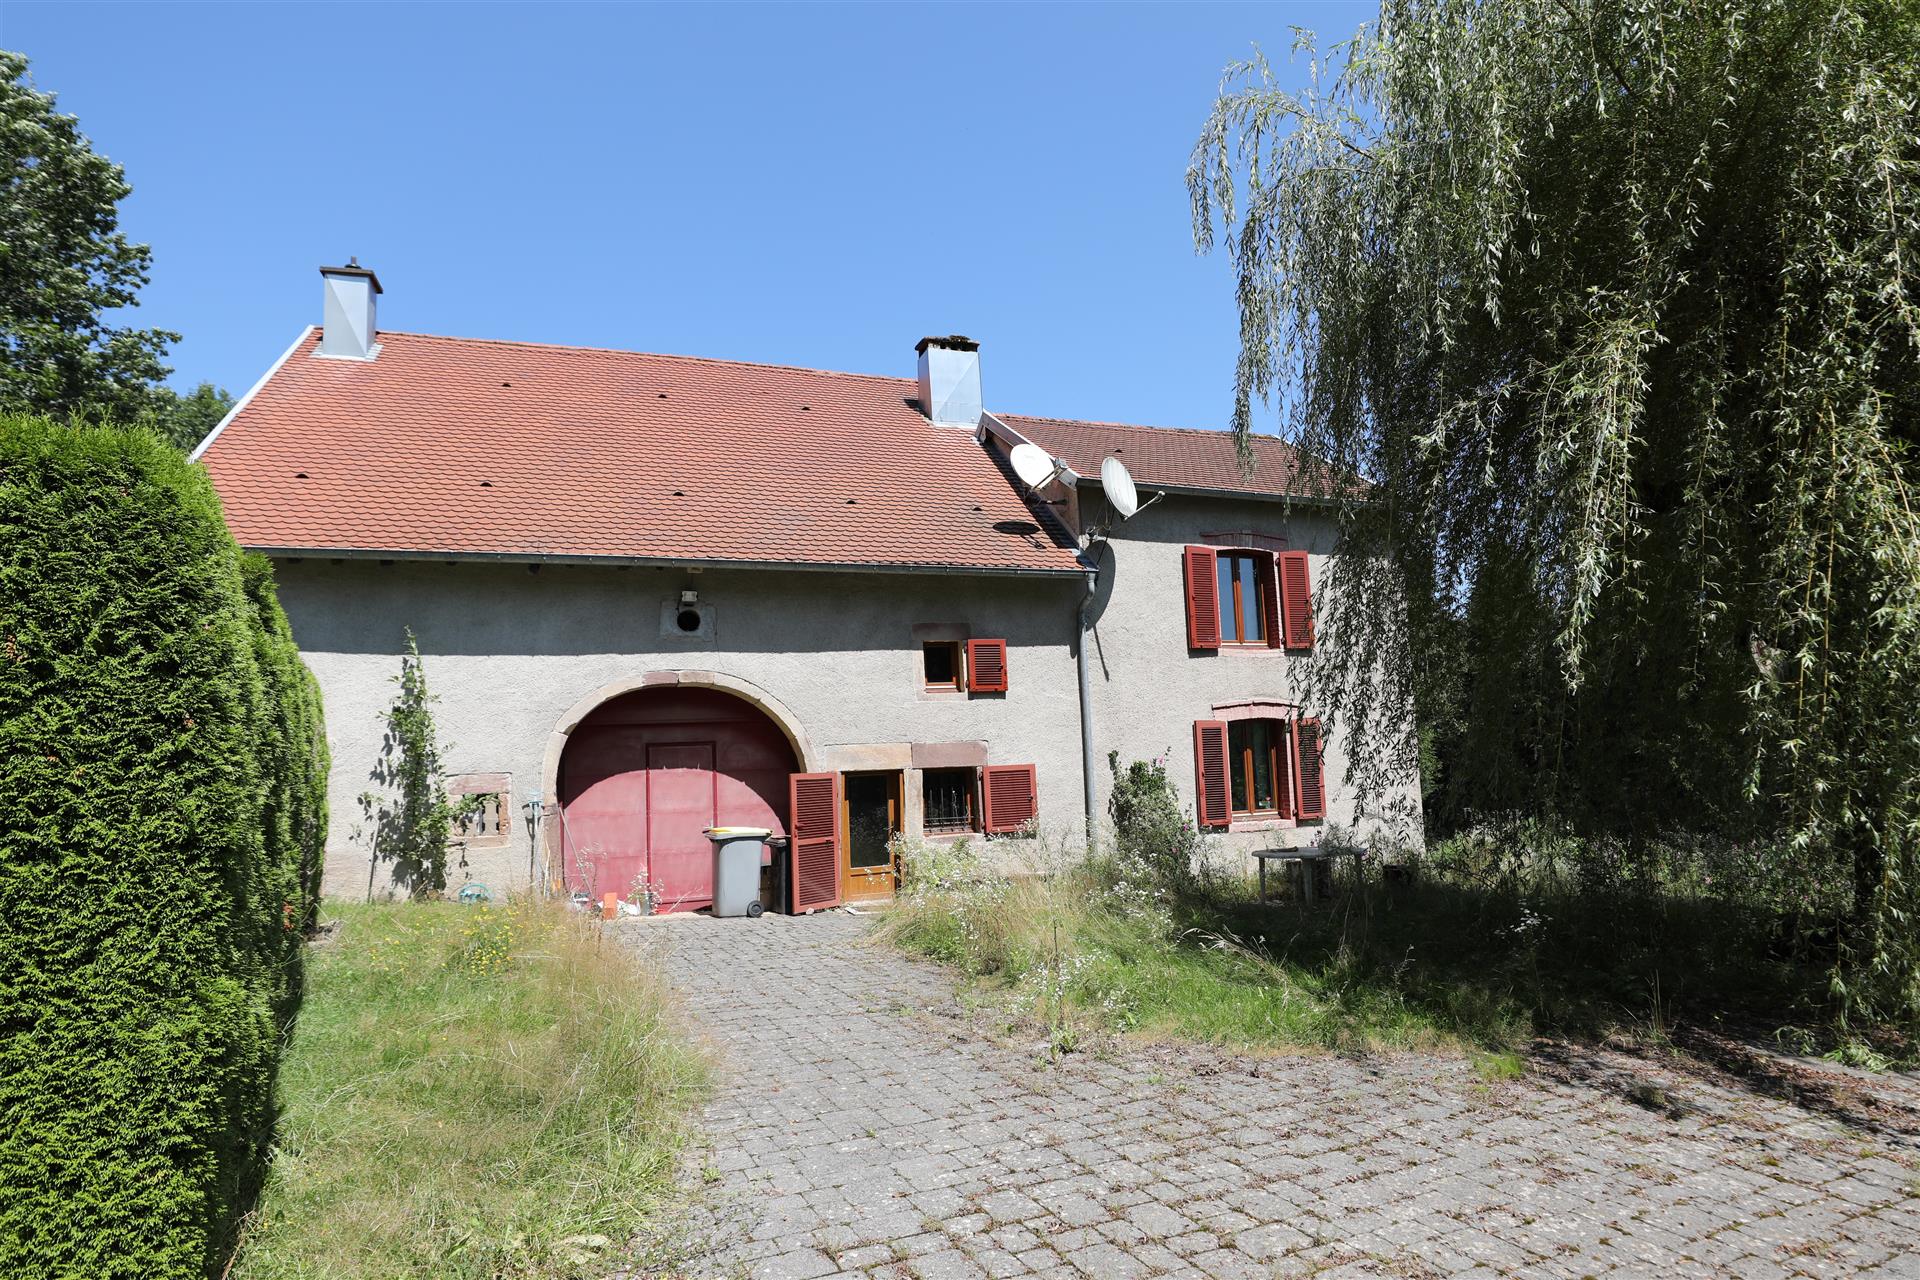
160	822
1152	837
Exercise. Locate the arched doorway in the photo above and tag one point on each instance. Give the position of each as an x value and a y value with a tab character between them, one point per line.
645	773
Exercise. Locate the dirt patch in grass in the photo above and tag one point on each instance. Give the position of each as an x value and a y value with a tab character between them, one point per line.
472	1092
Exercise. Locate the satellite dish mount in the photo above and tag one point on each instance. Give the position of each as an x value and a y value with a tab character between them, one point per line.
1123	496
1036	468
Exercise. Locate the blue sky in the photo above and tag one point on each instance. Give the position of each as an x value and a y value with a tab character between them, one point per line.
813	185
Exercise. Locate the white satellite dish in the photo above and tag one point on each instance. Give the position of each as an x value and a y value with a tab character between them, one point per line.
1032	464
1118	484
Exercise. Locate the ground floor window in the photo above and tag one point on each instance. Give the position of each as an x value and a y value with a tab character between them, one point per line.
1256	765
949	799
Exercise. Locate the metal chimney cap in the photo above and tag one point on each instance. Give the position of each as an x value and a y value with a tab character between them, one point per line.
353	268
952	342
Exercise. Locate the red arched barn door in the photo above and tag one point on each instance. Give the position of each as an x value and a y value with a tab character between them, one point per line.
644	774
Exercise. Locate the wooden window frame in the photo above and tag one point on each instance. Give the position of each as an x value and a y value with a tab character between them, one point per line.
1279	770
959	682
973	802
1262	562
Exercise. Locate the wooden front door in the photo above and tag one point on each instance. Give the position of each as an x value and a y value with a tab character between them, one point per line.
680	808
871	816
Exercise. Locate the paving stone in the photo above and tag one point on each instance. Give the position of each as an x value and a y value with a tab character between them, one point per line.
864	1126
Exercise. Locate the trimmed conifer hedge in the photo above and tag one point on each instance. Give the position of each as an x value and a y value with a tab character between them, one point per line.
162	812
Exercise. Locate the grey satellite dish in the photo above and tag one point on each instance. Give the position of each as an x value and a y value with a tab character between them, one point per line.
1118	484
1032	465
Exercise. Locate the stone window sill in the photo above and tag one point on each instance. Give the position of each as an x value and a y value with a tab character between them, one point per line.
1263	824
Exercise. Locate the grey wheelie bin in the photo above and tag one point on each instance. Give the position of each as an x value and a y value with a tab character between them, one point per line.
737	854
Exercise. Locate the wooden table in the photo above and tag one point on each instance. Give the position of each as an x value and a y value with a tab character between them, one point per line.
1305	857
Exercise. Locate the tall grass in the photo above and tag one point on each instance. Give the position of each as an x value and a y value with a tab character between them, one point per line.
1482	950
471	1092
1093	945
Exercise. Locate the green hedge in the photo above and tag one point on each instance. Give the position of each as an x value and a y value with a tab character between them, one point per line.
161	815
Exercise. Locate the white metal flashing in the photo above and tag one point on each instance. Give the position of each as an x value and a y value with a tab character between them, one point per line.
246	399
997	426
1068	476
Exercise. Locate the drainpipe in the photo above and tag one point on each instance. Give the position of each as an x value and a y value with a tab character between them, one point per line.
1086	697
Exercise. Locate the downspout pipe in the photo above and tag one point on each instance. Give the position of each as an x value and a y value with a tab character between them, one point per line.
1085	672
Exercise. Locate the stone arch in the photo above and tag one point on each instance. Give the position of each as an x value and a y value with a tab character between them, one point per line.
770	711
745	690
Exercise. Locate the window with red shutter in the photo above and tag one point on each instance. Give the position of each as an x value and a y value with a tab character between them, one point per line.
1296	595
813	825
1210	785
1203	599
986	666
1012	797
1309	773
1259	768
1270	596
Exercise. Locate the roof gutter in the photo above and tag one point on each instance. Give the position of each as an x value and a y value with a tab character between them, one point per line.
659	562
246	399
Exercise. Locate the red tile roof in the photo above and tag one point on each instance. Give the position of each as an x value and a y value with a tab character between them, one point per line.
461	447
1179	457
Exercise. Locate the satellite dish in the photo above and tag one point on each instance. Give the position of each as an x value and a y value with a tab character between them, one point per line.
1032	465
1121	494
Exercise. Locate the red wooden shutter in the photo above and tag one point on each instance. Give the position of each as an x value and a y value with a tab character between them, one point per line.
1309	777
1213	804
1203	598
1012	794
813	823
986	666
1296	590
1270	596
1283	765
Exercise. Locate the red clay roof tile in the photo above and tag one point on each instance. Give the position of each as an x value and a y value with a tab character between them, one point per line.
1176	456
461	446
464	446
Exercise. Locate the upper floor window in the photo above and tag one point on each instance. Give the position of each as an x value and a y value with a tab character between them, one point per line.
1247	597
1243	579
940	662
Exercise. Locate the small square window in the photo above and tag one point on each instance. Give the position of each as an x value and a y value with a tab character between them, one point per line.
940	661
481	816
949	800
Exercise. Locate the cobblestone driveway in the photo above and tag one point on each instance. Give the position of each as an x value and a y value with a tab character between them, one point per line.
864	1127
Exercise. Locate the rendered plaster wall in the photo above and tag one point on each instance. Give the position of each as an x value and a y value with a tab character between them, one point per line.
1149	687
509	652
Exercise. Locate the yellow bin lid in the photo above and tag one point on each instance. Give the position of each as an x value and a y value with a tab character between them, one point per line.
737	833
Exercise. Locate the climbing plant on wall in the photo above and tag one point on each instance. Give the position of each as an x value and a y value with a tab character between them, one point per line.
412	820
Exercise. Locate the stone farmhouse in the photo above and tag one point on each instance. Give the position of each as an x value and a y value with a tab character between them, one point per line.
656	594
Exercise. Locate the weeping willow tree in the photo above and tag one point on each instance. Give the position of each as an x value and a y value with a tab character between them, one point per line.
1614	302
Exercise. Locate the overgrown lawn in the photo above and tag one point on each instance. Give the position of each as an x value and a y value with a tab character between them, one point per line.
471	1092
1434	964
